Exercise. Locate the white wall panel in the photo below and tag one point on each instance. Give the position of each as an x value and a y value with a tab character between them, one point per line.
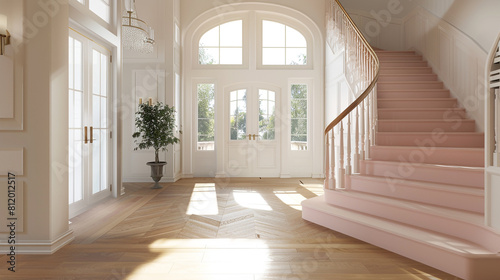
11	161
456	58
5	216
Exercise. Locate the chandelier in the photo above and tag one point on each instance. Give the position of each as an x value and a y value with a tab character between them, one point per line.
136	33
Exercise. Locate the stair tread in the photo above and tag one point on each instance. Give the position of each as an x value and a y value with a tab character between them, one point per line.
430	165
422	120
459	215
419	109
416	133
435	148
431	185
406	74
435	239
414	90
418	99
410	82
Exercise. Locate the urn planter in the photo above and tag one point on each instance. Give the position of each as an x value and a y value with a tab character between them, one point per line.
156	172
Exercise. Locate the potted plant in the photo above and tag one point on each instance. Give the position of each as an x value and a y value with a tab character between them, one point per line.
155	127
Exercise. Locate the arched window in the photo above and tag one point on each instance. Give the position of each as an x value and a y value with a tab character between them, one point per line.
222	44
282	45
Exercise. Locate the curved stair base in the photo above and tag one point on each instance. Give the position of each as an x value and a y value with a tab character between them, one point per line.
449	254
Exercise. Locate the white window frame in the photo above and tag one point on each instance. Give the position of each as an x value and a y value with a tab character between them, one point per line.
214	23
262	16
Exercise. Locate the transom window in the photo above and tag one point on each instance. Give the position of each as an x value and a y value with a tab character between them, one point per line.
282	45
102	8
222	44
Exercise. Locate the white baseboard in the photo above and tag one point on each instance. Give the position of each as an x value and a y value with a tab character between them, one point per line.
39	247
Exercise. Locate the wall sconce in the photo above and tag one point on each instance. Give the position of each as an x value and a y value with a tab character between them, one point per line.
4	34
148	101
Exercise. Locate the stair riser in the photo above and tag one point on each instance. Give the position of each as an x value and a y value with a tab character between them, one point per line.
414	94
402	190
415	217
402	58
436	139
396	173
456	264
404	70
383	54
451	103
471	158
409	86
403	64
422	114
407	78
426	126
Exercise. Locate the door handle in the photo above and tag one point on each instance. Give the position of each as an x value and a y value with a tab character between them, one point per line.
254	137
86	136
91	135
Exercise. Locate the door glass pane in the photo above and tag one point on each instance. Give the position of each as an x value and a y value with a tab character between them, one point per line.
96	163
238	115
299	117
96	72
104	159
206	117
104	75
75	109
78	65
267	115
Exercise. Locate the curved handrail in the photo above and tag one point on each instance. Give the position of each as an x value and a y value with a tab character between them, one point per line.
367	91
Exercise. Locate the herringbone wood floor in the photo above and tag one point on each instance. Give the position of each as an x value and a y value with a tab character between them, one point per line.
236	229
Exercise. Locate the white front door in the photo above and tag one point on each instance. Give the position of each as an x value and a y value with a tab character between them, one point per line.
89	125
252	134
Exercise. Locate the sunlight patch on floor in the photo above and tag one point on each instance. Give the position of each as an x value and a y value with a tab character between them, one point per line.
251	200
291	198
203	200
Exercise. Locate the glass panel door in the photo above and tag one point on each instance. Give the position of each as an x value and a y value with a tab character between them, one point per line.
89	126
253	149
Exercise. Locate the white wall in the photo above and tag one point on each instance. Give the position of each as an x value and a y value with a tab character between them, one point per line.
44	125
477	19
151	75
454	56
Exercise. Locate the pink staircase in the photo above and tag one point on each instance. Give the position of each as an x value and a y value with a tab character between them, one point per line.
421	192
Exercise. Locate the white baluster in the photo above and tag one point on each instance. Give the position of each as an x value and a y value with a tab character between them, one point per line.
327	184
362	131
496	123
332	161
341	170
348	166
368	129
356	143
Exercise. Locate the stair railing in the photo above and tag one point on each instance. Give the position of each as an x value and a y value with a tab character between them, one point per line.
362	71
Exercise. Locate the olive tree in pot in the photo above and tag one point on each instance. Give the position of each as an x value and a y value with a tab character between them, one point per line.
155	127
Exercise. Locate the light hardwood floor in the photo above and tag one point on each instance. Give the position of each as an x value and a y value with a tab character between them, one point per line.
220	229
